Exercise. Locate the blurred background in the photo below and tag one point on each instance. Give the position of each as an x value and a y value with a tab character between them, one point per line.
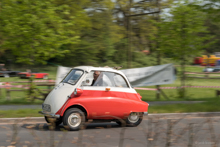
132	33
40	35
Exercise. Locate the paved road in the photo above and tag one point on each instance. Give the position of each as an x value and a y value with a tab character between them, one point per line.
156	130
16	107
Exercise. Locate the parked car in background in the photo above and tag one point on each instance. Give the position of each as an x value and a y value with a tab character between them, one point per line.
4	72
78	98
215	69
36	75
8	73
208	69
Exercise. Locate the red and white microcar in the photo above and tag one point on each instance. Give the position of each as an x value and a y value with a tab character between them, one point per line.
111	98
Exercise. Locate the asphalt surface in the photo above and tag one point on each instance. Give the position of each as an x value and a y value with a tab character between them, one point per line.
173	130
16	107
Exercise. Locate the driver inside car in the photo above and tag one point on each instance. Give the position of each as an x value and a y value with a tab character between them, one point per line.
95	76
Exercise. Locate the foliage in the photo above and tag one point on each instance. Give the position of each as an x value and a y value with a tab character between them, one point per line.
183	34
36	30
83	32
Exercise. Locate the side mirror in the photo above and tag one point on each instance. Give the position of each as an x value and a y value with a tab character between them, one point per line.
77	92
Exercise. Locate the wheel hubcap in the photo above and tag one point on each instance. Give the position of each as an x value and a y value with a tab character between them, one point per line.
74	120
133	117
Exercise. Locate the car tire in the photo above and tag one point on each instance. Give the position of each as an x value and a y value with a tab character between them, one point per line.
134	119
57	122
74	119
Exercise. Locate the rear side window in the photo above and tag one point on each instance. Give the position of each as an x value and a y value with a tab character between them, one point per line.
120	81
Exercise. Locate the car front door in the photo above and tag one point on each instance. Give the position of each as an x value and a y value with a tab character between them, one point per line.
109	97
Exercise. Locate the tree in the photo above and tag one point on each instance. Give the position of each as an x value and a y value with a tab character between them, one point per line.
182	34
212	22
35	31
98	42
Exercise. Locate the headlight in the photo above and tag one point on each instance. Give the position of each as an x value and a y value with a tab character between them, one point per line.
46	107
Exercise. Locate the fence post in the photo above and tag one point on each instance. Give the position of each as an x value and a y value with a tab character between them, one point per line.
8	96
0	93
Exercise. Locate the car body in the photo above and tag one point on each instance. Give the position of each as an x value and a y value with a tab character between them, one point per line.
215	69
74	101
9	73
208	69
35	75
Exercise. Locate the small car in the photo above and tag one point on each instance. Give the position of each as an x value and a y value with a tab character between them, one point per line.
9	73
111	98
24	75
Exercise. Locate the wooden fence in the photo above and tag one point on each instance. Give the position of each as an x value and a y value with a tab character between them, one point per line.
30	87
205	75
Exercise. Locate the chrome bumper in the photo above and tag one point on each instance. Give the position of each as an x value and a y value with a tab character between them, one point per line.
145	113
50	114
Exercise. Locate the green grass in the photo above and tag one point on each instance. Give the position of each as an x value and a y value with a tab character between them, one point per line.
20	101
191	68
20	113
191	93
211	105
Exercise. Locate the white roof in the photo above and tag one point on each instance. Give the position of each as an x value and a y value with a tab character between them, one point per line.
91	68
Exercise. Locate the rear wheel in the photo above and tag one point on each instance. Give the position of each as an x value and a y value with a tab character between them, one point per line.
134	119
74	119
57	122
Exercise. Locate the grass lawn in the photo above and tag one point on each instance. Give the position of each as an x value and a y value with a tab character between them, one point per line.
211	105
20	113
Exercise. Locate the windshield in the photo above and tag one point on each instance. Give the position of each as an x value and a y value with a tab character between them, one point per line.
73	76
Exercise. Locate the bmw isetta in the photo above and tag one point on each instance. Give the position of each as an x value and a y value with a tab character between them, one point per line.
111	98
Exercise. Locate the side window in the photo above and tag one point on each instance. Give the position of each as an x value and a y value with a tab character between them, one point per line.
88	80
120	81
105	79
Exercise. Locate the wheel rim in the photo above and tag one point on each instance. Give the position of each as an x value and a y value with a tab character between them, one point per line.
133	117
74	120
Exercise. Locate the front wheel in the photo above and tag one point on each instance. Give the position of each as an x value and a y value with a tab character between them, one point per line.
134	119
74	119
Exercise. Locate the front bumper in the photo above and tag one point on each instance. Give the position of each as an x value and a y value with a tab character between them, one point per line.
145	113
49	114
